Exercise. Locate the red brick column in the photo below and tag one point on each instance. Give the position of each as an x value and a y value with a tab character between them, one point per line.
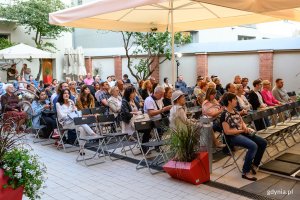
118	67
266	65
155	63
88	65
202	64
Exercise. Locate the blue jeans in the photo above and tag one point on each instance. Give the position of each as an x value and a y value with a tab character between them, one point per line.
256	147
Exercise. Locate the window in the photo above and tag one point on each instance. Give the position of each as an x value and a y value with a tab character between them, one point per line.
4	36
244	37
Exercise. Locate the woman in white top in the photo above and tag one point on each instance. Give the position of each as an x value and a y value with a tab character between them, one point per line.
166	83
114	101
178	111
243	102
64	107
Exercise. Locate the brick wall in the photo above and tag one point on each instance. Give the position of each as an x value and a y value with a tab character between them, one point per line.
266	65
118	67
202	64
88	65
155	63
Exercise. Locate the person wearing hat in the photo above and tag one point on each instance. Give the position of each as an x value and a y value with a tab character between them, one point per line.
267	95
178	111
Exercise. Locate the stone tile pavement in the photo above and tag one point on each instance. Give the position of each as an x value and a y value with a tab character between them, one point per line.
114	180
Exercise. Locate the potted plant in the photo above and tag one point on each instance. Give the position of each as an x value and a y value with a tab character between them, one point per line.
20	171
189	163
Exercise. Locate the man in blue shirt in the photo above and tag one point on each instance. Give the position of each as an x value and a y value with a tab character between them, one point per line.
31	80
180	84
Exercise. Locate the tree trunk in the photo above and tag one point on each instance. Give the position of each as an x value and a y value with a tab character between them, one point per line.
40	70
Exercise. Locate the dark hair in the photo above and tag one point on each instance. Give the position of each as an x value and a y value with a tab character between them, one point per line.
165	79
125	76
88	98
102	84
108	77
59	87
209	92
256	82
245	79
53	80
128	91
227	86
277	80
38	93
167	89
30	76
228	96
60	98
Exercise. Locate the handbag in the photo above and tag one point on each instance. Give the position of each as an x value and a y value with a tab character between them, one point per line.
73	114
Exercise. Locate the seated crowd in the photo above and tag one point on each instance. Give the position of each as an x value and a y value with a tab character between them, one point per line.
119	97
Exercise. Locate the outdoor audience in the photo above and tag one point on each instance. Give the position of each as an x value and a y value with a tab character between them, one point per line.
212	109
239	134
65	107
120	98
11	108
39	106
85	99
114	101
267	94
147	89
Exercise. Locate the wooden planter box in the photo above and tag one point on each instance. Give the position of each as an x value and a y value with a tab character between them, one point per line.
195	172
9	193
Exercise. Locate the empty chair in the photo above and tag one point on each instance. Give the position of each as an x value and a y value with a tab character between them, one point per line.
89	139
86	111
108	128
98	110
145	127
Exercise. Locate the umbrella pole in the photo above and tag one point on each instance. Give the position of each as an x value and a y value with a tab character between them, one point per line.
172	45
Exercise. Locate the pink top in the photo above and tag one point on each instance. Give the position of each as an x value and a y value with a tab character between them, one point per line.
88	81
209	108
268	97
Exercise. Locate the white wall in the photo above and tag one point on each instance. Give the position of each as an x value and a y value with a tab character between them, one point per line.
287	67
125	69
105	65
227	66
187	69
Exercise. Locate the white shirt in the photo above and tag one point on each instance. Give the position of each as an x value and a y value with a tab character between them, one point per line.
150	104
112	83
260	99
244	103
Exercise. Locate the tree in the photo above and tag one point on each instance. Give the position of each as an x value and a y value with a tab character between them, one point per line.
34	15
153	45
5	43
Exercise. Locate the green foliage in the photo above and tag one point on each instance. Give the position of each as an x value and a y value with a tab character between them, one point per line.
24	169
4	43
182	38
153	44
34	16
19	165
184	141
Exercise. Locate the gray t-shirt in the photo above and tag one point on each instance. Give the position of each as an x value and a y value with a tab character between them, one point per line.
150	104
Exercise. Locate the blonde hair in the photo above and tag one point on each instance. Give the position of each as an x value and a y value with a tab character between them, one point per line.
211	85
238	86
145	84
112	89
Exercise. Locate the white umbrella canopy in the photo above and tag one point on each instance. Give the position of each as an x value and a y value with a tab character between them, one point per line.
146	15
23	51
173	15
